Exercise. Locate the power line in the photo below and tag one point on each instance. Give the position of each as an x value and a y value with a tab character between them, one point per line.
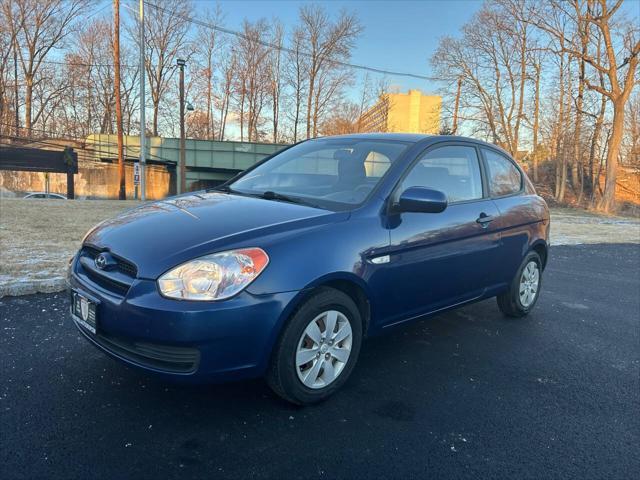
286	49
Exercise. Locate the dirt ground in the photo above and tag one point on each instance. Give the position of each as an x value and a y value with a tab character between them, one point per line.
37	237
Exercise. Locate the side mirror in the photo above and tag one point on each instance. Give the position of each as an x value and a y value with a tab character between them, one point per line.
420	199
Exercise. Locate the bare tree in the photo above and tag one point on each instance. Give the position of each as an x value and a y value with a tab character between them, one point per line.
166	39
491	60
90	65
369	113
208	47
328	45
537	67
226	91
631	142
38	27
619	66
8	50
253	76
296	77
275	76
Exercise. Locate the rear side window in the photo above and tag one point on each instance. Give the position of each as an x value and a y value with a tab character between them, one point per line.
504	178
454	170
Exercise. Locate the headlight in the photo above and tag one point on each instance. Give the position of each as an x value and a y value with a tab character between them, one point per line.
214	277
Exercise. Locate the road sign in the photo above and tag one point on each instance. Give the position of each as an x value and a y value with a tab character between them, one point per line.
136	173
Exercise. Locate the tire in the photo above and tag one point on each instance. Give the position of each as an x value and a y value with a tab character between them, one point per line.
323	373
511	302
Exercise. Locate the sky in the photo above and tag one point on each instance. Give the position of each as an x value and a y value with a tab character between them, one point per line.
398	35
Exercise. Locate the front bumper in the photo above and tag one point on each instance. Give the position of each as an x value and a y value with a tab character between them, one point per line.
200	341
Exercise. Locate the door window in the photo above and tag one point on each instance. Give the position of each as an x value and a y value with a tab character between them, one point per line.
504	177
454	170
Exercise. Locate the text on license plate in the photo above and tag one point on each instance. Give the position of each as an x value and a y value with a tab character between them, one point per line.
85	312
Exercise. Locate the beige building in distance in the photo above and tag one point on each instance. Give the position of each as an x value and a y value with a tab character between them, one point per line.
411	112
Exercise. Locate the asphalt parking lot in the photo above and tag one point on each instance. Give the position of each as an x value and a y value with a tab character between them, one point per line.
466	394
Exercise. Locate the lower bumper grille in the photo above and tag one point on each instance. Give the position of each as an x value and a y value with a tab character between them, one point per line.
164	358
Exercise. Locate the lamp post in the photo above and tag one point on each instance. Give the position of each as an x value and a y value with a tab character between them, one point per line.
181	170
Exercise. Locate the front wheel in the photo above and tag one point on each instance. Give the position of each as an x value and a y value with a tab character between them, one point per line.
523	293
318	348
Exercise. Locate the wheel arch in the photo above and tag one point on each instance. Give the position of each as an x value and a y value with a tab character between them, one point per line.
542	249
349	284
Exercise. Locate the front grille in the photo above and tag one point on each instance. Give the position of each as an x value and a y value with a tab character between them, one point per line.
124	266
105	282
165	358
116	279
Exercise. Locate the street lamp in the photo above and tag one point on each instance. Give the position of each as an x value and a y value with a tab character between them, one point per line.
182	184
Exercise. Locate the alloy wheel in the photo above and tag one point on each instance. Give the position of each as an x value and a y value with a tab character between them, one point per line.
324	349
529	283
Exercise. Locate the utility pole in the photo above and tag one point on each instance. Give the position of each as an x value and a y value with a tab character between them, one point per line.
116	62
181	168
143	137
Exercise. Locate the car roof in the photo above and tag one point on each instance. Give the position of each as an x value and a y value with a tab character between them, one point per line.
415	138
402	137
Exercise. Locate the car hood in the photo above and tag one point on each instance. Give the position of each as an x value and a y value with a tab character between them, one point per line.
160	235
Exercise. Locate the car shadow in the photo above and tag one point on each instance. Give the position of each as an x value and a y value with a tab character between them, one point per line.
408	358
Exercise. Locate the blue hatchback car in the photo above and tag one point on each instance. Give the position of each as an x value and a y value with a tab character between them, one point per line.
282	271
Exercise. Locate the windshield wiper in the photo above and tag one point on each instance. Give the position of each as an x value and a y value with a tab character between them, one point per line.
271	195
268	195
221	188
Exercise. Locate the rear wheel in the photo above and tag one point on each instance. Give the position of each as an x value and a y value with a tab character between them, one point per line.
317	349
523	293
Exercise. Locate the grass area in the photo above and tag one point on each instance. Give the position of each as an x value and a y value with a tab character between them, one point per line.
37	237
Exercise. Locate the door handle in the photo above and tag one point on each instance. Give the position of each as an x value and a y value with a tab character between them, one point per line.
484	220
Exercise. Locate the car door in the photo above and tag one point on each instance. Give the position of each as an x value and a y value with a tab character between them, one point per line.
520	209
442	259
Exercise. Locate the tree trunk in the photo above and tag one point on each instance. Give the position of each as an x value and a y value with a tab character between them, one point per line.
561	167
155	116
454	127
122	194
296	120
209	80
576	164
523	77
536	123
607	203
242	114
27	103
312	82
594	144
315	115
275	115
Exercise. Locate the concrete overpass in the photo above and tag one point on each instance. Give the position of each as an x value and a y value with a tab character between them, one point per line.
208	163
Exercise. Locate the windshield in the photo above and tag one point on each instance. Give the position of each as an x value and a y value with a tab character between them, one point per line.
328	172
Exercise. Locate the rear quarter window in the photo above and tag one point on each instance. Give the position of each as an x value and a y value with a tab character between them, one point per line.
503	176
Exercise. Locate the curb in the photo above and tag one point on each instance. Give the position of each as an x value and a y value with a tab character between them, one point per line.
17	288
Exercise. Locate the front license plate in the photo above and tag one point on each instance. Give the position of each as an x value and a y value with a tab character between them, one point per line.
85	312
